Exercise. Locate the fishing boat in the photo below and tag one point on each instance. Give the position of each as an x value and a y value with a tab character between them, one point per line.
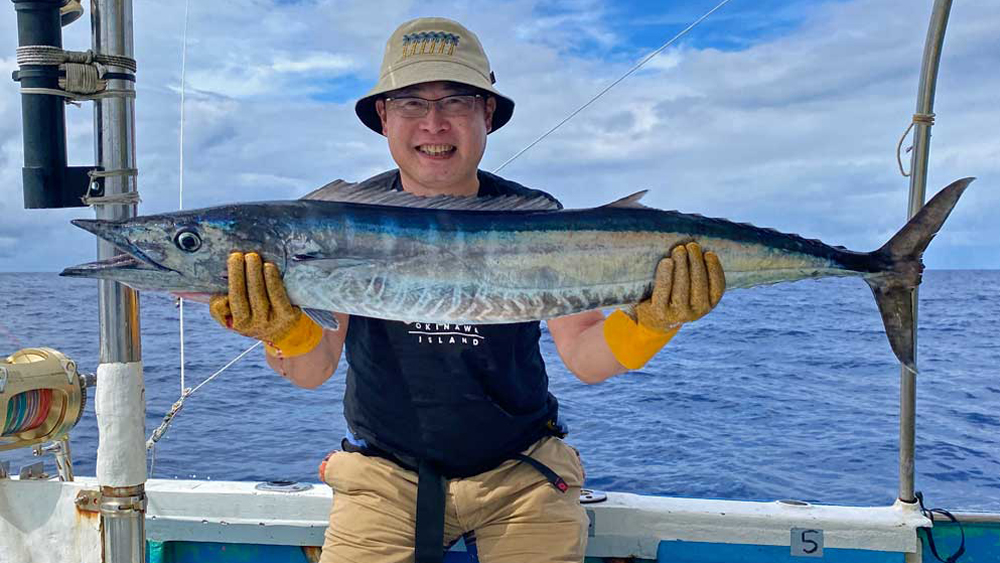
120	516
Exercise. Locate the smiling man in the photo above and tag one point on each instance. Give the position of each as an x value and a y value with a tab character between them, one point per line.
437	136
452	431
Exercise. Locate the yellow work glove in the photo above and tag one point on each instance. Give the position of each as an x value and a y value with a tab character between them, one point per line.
688	285
257	306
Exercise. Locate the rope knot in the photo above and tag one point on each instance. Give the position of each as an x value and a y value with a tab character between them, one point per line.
926	119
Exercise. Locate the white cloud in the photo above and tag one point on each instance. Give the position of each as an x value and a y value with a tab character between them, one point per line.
664	60
312	62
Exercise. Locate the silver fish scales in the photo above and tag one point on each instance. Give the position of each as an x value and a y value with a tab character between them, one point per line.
465	260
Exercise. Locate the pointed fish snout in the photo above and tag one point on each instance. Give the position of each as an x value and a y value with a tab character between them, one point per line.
90	225
99	227
111	231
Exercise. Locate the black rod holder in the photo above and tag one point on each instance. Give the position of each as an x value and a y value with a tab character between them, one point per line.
48	182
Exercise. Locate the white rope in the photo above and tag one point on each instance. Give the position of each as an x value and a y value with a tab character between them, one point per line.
85	70
112	173
47	55
613	84
80	97
130	198
925	118
83	78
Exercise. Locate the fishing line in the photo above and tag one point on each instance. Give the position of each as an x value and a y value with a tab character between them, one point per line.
185	391
169	417
613	84
180	187
151	444
27	411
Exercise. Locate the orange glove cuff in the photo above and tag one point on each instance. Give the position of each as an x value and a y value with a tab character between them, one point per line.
632	343
303	337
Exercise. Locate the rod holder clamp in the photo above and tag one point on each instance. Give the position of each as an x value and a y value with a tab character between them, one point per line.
123	507
53	448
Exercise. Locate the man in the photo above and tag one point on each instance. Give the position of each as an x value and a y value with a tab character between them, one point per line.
455	436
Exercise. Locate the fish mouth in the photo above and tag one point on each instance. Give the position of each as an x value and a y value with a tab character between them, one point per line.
117	263
119	267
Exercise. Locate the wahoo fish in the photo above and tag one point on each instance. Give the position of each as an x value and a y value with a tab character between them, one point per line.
481	260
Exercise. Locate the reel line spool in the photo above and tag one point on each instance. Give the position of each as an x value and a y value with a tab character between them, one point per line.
42	397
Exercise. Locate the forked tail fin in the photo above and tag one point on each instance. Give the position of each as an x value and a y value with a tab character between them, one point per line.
902	257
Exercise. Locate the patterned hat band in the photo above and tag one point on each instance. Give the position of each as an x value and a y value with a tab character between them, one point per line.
429	42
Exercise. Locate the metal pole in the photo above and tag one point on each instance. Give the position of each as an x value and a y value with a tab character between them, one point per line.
122	507
114	140
923	119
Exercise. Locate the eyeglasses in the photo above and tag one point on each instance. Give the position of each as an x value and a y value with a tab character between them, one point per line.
458	105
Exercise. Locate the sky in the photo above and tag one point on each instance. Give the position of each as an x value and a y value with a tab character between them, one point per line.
784	114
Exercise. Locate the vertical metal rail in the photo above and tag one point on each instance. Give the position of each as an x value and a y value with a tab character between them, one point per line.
923	120
122	508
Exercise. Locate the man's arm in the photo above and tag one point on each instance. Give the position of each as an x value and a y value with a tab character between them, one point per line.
688	285
580	342
312	369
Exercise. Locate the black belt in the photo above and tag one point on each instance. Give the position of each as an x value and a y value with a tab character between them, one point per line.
429	533
429	528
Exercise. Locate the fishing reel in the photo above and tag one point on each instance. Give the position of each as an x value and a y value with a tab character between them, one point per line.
42	397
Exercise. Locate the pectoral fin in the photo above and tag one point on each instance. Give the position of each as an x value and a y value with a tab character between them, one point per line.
323	318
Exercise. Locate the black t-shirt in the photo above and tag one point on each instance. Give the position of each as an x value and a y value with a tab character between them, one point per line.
465	397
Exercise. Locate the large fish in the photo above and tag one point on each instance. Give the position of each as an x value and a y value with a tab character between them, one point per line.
397	256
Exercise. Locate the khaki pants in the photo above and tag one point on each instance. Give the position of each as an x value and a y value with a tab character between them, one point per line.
517	515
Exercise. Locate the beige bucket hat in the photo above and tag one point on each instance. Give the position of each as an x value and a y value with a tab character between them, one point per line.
428	50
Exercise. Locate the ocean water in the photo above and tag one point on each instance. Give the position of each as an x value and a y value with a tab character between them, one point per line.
784	392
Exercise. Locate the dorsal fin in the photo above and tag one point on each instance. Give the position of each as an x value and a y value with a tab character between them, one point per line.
629	202
346	192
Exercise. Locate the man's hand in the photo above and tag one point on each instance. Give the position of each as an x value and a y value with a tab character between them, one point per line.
687	286
322	467
257	306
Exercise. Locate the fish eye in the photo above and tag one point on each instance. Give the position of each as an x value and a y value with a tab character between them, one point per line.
187	240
